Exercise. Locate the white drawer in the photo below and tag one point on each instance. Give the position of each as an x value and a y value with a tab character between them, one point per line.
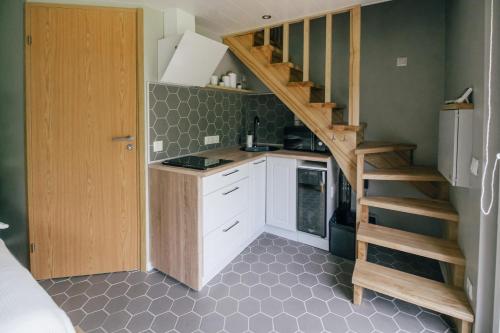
219	246
224	204
226	177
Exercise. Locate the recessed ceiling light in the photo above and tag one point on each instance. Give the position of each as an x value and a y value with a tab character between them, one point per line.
266	17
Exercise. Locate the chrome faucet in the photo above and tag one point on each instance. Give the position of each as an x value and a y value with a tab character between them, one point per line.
256	122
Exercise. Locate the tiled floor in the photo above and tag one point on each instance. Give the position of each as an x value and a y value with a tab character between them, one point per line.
275	285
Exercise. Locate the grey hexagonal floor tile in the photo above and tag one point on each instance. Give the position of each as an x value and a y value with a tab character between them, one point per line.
257	292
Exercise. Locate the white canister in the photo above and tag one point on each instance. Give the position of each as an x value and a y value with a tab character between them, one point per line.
232	79
226	80
214	80
249	141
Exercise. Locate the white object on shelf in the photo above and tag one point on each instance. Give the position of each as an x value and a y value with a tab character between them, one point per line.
188	59
3	225
249	140
232	79
455	145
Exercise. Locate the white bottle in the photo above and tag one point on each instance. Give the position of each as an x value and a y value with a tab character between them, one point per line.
249	141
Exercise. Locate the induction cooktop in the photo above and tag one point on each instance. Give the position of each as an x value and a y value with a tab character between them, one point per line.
196	162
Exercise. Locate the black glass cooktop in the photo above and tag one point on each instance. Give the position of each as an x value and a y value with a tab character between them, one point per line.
196	162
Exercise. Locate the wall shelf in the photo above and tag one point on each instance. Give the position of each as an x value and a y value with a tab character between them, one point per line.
241	91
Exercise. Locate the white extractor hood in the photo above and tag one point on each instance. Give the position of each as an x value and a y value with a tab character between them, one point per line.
185	57
188	59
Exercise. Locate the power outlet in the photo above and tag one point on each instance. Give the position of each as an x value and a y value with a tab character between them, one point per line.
157	146
402	62
211	139
469	290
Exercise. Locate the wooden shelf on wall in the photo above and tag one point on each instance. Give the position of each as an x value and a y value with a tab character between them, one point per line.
458	106
236	90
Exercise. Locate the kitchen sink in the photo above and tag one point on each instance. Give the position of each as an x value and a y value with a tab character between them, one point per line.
259	148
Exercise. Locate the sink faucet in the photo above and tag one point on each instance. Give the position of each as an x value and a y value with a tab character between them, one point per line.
256	122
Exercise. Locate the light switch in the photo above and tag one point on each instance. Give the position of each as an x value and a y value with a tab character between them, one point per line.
211	139
402	62
157	146
474	166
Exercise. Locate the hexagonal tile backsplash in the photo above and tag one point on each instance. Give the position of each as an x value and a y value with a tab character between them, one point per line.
182	116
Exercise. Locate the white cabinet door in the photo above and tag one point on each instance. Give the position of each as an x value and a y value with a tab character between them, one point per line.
281	193
257	194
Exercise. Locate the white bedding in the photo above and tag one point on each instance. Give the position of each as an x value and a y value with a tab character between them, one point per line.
24	306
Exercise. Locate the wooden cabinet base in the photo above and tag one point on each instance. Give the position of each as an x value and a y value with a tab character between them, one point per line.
176	232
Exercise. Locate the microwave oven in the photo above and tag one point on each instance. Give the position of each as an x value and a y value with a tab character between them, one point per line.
301	138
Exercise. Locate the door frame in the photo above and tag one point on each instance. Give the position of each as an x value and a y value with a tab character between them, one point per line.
140	119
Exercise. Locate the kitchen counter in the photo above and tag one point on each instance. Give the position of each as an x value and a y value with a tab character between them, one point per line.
239	157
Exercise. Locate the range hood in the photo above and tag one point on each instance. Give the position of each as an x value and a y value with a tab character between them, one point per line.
185	57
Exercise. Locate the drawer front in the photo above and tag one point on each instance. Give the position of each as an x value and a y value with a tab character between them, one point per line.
219	246
224	204
224	178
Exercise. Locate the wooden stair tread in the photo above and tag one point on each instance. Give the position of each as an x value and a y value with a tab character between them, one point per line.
304	84
425	207
342	127
421	245
287	64
374	147
426	293
414	174
320	105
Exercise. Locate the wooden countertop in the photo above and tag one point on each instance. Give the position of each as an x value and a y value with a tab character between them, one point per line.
239	157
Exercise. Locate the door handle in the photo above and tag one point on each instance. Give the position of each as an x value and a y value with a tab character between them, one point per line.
123	138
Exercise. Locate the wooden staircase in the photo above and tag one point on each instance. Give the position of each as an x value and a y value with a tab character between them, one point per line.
269	60
309	101
445	298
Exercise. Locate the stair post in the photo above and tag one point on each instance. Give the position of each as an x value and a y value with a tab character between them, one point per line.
361	217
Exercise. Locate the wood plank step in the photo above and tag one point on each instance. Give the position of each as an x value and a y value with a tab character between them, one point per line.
287	64
426	293
304	84
344	127
374	147
425	207
412	174
320	105
425	246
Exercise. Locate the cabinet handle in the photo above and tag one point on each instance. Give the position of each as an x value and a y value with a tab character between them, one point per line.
230	173
234	189
260	162
231	227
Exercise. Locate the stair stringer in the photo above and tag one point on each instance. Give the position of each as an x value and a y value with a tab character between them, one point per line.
341	145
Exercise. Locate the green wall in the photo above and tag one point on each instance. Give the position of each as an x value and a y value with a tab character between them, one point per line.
12	135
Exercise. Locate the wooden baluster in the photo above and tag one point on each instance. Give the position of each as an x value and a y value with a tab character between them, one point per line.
328	59
286	39
306	50
354	65
267	35
361	217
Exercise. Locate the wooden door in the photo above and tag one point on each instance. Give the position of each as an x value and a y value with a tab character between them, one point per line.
83	185
281	205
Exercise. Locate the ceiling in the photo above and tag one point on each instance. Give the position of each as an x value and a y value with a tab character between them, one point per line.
222	17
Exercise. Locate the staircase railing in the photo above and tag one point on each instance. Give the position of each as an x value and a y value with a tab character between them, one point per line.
278	35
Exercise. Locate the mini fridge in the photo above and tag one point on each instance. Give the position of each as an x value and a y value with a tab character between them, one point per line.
311	201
